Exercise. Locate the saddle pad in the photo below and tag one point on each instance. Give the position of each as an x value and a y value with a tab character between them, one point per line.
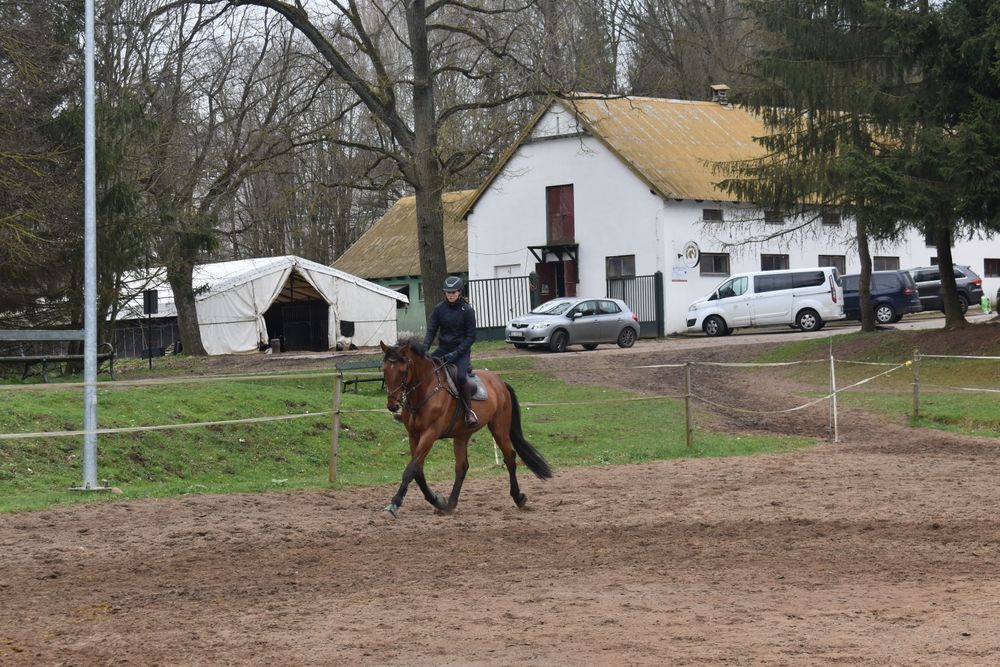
480	394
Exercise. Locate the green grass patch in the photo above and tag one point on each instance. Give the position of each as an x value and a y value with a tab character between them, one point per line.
571	425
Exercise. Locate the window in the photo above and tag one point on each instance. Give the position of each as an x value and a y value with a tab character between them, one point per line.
773	262
711	214
608	307
714	263
839	262
405	291
831	219
731	288
620	266
774	217
559	214
782	281
991	267
928	240
885	263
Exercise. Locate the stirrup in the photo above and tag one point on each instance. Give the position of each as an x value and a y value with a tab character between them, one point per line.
471	419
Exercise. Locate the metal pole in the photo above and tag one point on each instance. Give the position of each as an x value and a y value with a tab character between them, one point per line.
90	262
916	384
335	436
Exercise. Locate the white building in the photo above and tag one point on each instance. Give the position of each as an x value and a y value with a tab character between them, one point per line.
604	188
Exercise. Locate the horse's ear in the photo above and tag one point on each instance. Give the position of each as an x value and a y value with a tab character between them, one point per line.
385	348
404	348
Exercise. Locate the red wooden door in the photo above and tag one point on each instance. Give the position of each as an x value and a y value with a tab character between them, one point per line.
546	282
559	210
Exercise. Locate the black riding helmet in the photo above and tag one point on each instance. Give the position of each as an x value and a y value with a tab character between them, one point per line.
452	284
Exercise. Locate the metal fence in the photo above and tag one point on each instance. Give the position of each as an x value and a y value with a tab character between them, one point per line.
134	339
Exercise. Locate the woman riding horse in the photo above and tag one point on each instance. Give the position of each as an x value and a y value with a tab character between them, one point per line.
417	385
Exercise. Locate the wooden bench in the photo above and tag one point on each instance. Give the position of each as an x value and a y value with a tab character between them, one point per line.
358	365
106	353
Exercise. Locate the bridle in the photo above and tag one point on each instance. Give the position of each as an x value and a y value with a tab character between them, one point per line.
401	393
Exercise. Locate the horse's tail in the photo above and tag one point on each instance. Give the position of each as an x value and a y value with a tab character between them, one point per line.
535	462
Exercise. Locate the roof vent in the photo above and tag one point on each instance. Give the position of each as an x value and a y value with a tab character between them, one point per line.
719	92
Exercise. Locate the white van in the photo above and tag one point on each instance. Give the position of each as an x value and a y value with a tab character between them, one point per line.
804	298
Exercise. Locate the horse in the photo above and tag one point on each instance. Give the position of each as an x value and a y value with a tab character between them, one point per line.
416	383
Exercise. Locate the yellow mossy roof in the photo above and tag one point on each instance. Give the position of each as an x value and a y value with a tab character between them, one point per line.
389	248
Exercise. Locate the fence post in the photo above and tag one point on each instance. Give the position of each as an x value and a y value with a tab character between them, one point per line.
916	383
335	435
833	395
660	309
688	422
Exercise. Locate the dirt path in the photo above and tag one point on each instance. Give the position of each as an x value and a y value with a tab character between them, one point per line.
882	549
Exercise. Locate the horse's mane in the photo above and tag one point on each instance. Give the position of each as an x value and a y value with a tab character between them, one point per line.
415	343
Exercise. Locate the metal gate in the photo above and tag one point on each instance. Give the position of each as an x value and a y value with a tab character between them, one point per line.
496	301
644	295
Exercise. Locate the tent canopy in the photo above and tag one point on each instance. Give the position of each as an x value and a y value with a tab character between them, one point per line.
232	299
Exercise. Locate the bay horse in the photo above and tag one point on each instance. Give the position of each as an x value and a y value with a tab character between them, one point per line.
417	384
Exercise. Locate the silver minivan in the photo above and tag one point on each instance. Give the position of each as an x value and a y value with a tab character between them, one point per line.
804	298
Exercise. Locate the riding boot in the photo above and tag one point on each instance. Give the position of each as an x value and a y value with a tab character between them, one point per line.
468	391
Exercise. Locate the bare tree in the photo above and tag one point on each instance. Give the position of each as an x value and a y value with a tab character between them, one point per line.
681	47
224	96
424	71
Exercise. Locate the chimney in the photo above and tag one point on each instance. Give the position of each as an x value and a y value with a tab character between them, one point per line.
719	91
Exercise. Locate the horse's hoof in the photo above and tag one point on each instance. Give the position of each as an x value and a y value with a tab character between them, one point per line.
522	501
391	509
447	510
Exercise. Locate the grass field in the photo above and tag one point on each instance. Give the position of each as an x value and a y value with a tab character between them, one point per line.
571	424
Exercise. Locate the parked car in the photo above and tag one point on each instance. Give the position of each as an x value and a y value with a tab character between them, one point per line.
586	321
893	294
928	280
803	298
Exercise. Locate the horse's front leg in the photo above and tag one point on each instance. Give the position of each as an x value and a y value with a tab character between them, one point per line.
461	447
415	471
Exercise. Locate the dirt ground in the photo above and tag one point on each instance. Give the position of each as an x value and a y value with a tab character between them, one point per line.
881	549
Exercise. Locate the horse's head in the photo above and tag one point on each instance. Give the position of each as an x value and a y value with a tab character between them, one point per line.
400	369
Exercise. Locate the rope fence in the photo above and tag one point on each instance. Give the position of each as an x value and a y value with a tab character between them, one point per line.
689	395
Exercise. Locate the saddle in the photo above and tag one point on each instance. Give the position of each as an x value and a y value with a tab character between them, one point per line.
451	372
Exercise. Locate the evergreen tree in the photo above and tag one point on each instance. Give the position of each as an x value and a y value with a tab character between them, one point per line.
885	108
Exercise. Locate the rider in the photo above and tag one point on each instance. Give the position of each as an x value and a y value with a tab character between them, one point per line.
453	321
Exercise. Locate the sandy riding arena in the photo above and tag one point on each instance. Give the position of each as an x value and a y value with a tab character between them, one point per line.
881	549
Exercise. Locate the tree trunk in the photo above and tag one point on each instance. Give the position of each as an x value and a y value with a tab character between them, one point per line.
865	279
953	316
179	275
428	181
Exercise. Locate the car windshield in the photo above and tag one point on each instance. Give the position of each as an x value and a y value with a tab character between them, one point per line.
554	307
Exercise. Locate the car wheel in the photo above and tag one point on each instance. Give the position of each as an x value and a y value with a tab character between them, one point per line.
809	320
521	346
885	313
559	341
627	337
714	326
590	346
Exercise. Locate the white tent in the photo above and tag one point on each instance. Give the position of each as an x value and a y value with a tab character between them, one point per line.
233	300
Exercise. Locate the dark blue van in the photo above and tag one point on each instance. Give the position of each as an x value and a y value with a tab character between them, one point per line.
894	294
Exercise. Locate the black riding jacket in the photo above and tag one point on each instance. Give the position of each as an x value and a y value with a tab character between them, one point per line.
454	324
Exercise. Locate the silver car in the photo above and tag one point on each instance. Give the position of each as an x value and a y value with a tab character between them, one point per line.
585	321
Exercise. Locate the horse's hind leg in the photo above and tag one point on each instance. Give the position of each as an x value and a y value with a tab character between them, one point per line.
510	460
